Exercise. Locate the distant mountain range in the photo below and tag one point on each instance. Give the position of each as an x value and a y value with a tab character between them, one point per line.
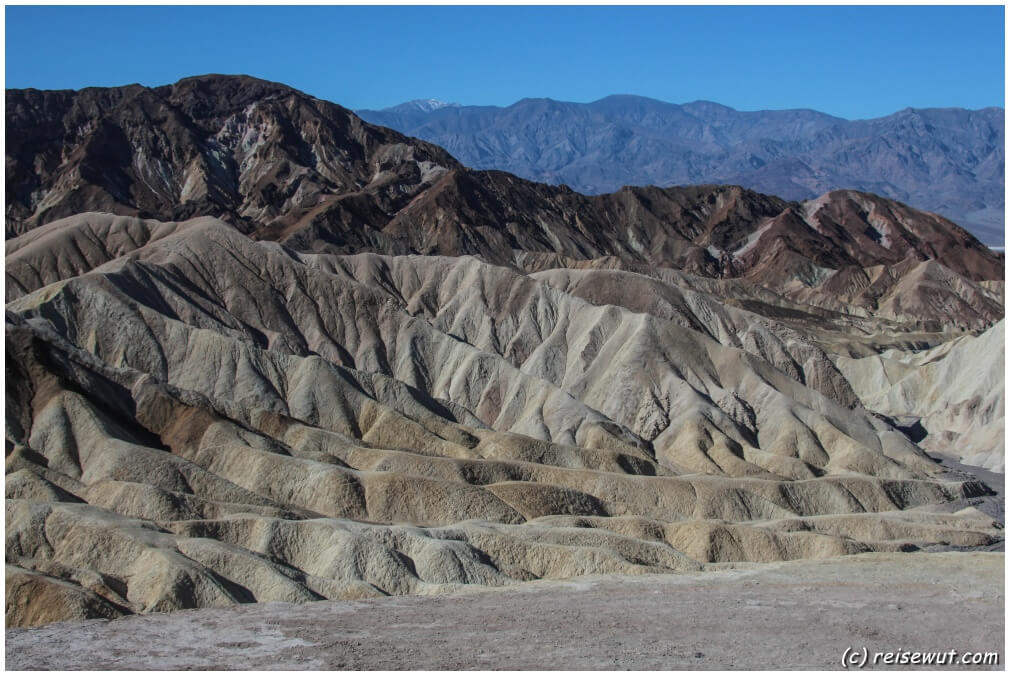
946	160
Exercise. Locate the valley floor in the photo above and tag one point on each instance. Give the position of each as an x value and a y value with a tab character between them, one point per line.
993	505
794	615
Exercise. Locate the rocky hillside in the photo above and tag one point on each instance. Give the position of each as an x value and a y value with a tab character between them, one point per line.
949	161
259	350
259	154
953	393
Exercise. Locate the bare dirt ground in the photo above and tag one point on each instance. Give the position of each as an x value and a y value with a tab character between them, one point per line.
796	615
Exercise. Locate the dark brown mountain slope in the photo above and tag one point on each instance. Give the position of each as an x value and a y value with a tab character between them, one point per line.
289	167
256	153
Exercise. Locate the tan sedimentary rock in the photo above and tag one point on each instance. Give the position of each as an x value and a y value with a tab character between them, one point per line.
198	419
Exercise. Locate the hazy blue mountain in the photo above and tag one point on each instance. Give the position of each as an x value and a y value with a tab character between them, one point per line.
947	160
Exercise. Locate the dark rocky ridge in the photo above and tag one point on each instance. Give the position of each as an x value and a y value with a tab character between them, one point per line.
255	153
285	166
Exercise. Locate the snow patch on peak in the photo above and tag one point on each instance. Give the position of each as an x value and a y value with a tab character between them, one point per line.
422	105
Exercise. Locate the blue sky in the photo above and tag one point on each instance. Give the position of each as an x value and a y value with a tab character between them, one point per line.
853	61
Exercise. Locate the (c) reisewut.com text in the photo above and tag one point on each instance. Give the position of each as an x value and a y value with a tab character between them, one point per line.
863	657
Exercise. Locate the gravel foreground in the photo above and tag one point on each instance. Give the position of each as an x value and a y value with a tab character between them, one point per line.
795	615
